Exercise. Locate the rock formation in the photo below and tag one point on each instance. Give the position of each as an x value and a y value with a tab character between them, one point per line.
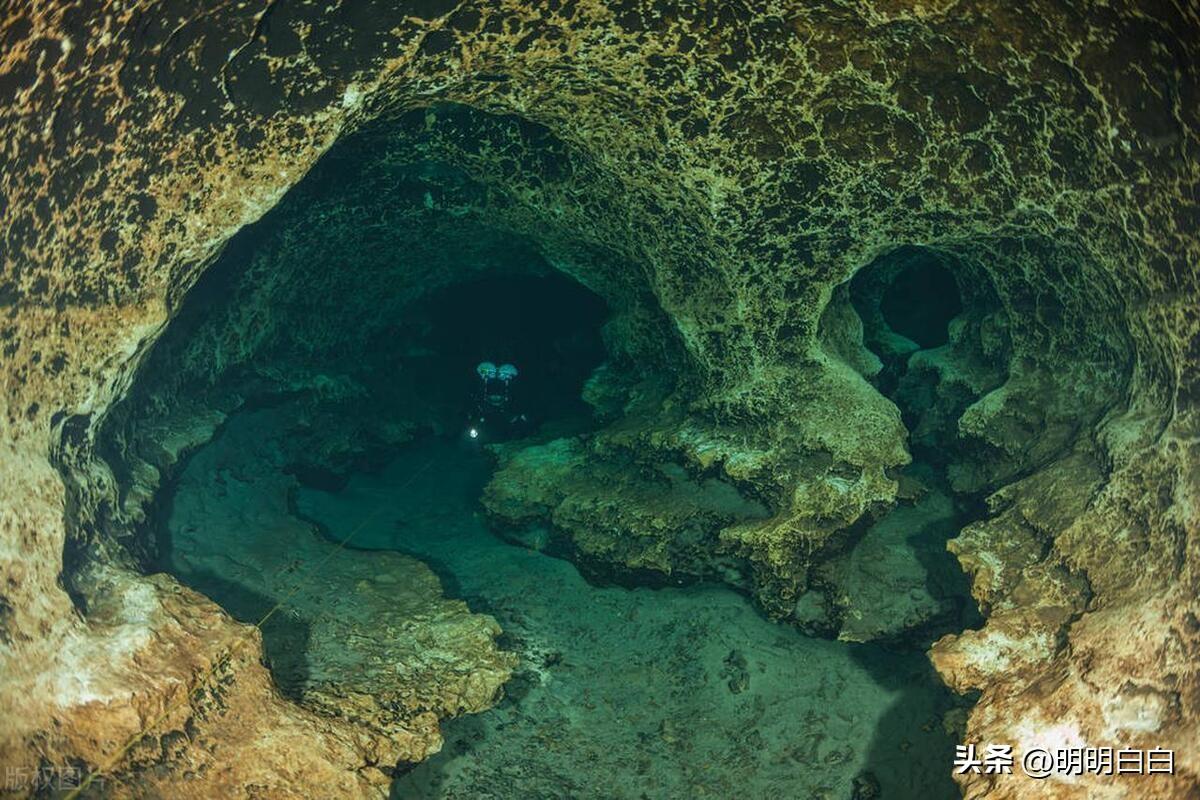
744	184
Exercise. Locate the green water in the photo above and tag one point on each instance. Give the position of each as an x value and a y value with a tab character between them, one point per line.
640	693
620	693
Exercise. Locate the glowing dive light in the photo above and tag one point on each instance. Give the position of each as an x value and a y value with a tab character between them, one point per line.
473	433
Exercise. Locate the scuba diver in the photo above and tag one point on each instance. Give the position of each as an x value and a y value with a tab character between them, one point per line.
492	415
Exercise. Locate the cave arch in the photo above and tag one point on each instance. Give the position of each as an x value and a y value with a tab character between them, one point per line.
909	297
358	307
740	194
921	300
371	272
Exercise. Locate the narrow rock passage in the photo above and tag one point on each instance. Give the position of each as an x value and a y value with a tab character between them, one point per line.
630	693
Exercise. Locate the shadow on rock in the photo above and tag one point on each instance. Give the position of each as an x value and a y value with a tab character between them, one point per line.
911	753
285	635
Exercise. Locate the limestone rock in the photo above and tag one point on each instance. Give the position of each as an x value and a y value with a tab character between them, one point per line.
717	173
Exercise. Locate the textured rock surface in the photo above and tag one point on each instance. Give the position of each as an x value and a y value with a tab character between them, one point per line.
211	698
717	175
897	578
364	636
630	692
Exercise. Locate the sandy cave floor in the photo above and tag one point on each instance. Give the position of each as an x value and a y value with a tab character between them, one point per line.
620	693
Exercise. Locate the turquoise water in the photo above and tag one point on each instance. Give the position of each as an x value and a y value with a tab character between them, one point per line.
639	693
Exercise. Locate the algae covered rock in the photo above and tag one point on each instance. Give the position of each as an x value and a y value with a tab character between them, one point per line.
719	175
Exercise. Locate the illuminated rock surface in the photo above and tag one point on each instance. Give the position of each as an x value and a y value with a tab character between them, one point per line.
757	194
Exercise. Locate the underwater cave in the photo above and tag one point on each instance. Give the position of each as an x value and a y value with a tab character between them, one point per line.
455	400
921	299
357	448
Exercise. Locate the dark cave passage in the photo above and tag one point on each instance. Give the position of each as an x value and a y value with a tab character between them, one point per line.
929	318
921	300
544	324
908	300
638	400
327	394
934	322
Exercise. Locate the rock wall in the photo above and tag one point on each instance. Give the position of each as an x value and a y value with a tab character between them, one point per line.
716	173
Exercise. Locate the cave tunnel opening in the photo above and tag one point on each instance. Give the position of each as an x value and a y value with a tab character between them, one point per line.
342	331
908	299
544	324
928	317
922	310
307	406
921	300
